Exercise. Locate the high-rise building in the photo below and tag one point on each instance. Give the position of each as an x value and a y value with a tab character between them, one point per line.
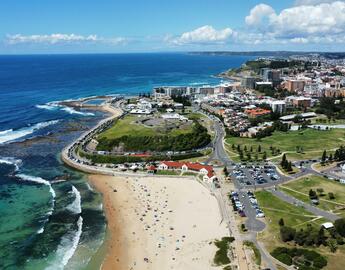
248	82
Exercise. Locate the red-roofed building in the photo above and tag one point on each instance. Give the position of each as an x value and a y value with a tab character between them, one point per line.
166	165
257	112
206	170
151	169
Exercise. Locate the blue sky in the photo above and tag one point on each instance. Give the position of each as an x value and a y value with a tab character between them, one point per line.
72	26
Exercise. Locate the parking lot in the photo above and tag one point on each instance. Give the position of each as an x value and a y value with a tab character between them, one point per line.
245	203
252	174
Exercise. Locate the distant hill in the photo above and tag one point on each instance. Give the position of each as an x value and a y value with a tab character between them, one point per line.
329	55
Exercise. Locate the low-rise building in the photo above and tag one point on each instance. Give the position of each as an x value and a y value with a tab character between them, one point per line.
257	112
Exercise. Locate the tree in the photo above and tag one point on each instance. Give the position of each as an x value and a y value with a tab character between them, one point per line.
332	244
287	233
264	156
241	155
324	157
281	222
339	225
238	148
284	161
320	191
259	148
331	196
225	170
330	157
245	148
312	194
289	167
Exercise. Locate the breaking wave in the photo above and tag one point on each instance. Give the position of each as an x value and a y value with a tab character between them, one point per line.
11	161
38	180
54	105
11	135
73	111
67	247
75	206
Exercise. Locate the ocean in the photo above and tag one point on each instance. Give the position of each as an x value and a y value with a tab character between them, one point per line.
50	217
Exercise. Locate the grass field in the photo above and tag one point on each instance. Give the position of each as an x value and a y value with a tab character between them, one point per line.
129	126
275	209
300	190
296	217
168	172
312	142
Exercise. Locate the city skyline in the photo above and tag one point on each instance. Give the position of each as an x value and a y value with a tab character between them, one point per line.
118	27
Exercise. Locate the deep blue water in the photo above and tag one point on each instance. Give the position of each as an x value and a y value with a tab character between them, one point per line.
39	221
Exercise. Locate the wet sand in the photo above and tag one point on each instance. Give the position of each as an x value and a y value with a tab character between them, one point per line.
159	223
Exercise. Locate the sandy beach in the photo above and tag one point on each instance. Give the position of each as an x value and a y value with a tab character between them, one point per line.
159	223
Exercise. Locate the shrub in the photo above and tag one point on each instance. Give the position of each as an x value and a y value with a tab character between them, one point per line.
339	225
287	233
284	258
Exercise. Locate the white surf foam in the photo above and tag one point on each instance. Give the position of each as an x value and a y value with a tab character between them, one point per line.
38	180
67	247
48	106
75	206
11	161
73	111
11	135
42	181
89	187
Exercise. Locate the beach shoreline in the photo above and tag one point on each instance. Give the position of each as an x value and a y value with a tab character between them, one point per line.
157	223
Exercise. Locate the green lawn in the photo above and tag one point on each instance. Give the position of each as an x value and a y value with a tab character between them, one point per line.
296	217
168	172
129	126
275	209
313	142
300	190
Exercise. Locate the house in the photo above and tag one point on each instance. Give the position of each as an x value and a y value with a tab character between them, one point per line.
151	169
205	170
209	177
327	225
257	112
168	165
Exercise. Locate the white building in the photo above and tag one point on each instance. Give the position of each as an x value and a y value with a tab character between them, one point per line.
278	106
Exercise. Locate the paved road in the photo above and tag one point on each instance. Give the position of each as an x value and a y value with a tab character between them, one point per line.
252	223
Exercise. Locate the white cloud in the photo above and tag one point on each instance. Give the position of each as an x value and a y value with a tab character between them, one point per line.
300	23
202	35
313	2
60	38
258	13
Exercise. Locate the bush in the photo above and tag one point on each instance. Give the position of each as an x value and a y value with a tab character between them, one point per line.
221	256
284	258
287	233
304	258
339	225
